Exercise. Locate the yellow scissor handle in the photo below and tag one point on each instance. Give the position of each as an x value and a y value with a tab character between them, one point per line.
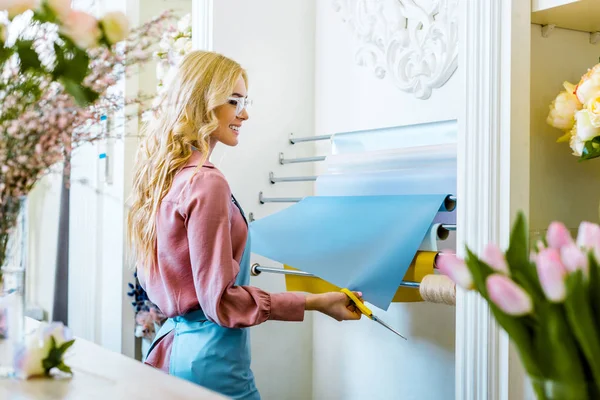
359	304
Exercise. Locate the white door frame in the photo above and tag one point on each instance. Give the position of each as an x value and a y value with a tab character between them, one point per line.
493	179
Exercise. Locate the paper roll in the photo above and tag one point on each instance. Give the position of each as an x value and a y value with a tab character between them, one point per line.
439	157
434	234
421	266
441	132
412	181
357	242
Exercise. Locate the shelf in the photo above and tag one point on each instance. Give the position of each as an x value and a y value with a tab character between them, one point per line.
580	15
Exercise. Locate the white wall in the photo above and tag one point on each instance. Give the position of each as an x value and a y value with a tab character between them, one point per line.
274	42
362	360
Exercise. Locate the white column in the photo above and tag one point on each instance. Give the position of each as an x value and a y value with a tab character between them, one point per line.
493	178
202	24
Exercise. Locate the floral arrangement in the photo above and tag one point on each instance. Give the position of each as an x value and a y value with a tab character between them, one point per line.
576	111
175	43
44	351
548	301
148	316
58	69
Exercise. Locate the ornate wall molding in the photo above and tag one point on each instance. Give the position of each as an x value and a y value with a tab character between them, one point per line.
414	42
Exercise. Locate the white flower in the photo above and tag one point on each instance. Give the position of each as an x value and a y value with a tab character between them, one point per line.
116	26
180	43
585	130
576	145
82	29
185	23
17	7
188	46
589	85
61	8
166	43
28	359
563	109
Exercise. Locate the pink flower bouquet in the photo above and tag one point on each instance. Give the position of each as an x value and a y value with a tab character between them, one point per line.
58	70
547	300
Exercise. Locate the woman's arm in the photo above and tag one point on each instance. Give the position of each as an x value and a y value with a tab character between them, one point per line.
206	207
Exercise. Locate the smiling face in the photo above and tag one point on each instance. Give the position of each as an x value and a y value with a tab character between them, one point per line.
230	122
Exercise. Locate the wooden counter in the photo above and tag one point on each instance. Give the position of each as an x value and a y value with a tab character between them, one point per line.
103	374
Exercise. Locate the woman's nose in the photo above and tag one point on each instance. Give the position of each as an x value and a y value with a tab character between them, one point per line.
244	115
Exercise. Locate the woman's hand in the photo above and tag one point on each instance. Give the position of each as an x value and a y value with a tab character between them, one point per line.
335	304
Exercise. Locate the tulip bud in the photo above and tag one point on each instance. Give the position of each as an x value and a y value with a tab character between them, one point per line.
558	235
588	237
574	259
455	269
508	296
552	273
493	256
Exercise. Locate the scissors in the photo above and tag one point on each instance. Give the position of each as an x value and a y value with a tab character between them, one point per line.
366	311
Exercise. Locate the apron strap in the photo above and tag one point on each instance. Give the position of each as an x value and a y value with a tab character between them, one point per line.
164	330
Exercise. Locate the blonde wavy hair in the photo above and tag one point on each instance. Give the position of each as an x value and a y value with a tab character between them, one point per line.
187	118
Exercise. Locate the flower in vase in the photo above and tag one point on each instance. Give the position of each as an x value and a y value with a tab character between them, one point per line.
60	8
563	109
576	145
588	237
82	29
558	235
508	296
493	256
574	259
552	274
584	128
116	26
589	85
455	269
16	7
43	350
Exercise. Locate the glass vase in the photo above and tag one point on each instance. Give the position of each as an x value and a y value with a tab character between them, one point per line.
556	390
13	261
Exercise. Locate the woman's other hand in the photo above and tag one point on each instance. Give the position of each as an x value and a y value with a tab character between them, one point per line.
335	304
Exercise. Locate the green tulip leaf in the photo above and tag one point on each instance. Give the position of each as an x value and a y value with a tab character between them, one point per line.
579	314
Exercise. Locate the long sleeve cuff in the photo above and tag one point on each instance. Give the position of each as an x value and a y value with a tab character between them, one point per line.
287	306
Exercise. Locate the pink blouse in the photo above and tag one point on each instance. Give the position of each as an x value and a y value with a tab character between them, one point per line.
201	236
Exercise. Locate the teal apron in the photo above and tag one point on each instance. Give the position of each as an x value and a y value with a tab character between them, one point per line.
210	355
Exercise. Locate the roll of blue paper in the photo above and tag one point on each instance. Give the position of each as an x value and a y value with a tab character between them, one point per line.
441	132
442	156
413	181
398	182
362	243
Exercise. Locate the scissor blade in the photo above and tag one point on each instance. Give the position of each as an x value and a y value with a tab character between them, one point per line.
387	326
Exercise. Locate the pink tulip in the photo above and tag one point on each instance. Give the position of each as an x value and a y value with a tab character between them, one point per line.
508	296
493	256
574	259
552	273
588	235
455	269
558	235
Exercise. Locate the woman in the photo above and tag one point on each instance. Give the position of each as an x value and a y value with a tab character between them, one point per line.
190	237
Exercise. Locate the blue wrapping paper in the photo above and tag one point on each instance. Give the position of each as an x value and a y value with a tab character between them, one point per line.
363	243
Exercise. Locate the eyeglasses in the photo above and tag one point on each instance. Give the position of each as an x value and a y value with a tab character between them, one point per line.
240	103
